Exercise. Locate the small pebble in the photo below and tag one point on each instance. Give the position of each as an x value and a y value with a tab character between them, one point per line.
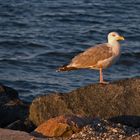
104	130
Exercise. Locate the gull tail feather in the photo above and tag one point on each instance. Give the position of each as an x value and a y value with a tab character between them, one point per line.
66	68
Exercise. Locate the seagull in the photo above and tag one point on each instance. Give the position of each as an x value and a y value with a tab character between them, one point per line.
98	57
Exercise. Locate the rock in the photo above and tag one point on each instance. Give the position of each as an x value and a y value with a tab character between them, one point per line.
6	134
134	137
133	121
46	107
106	101
95	129
22	125
11	107
62	126
104	130
8	95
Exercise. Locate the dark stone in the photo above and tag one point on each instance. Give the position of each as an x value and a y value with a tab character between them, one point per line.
11	107
8	94
105	101
22	125
133	121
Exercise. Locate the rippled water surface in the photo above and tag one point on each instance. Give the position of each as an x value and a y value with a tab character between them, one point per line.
38	36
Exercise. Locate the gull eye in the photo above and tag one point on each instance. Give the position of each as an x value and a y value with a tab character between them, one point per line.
113	35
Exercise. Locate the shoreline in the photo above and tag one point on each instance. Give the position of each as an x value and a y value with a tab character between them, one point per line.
112	104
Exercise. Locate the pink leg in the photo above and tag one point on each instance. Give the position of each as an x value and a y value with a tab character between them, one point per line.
101	77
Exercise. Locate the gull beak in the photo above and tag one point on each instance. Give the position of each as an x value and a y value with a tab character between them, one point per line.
120	38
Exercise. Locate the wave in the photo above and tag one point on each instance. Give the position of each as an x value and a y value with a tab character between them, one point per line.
131	55
130	59
52	53
13	43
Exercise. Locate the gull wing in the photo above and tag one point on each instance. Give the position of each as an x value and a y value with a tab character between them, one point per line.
91	56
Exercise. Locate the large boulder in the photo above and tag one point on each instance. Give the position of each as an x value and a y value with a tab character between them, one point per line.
11	107
62	126
106	101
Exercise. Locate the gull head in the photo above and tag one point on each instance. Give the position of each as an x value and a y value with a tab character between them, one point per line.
114	36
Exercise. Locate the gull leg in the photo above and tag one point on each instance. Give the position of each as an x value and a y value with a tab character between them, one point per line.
101	77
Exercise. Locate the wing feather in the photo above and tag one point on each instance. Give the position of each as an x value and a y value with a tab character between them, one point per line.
91	56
